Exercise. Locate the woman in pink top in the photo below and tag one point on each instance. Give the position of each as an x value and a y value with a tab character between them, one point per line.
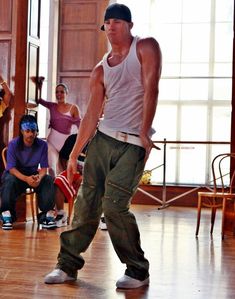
63	116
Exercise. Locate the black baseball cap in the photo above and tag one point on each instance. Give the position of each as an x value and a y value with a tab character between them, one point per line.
117	11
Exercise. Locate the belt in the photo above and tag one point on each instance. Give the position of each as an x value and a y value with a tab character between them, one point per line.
121	136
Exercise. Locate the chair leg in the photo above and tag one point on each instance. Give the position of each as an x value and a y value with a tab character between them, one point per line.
199	207
223	217
213	214
33	205
30	197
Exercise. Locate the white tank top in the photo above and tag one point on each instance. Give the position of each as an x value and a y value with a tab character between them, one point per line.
69	112
124	94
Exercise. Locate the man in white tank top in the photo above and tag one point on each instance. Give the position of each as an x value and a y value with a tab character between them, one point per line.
124	89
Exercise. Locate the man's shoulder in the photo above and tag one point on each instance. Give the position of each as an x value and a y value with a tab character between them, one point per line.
97	72
13	142
98	67
147	41
148	47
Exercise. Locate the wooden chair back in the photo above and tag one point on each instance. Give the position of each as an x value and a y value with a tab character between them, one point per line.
223	177
4	156
221	195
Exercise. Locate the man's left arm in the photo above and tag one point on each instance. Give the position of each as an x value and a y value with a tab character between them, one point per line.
150	57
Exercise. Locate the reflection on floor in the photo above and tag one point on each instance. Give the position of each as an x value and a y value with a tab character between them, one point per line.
181	266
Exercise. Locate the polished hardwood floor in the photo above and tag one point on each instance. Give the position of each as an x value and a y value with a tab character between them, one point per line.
181	266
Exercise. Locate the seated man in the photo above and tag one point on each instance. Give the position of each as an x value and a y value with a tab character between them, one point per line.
25	154
63	190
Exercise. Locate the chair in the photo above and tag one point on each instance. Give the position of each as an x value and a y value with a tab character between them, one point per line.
222	192
29	195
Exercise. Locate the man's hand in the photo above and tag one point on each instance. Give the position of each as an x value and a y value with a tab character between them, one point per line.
71	169
33	180
148	145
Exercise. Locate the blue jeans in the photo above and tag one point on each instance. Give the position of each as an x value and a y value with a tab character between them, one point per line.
111	175
12	187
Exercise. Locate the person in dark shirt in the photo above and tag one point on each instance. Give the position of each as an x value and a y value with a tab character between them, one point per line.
27	163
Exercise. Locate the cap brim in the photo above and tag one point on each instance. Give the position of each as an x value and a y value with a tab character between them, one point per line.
102	28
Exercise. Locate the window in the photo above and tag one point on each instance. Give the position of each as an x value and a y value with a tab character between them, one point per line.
196	85
43	63
48	59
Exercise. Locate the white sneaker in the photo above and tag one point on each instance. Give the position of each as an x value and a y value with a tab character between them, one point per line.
127	282
61	218
58	276
102	224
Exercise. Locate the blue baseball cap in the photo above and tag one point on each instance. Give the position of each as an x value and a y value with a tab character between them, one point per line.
117	11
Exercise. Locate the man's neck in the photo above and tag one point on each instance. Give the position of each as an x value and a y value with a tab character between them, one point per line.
119	52
123	48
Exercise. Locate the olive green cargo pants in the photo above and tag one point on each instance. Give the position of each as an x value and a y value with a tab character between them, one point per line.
111	175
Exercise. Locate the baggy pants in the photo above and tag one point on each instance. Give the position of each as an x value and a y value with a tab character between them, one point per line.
111	175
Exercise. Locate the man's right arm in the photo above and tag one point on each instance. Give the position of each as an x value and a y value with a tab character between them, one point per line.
89	122
14	171
12	162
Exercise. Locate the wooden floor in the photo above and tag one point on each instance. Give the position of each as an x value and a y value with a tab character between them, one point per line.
181	266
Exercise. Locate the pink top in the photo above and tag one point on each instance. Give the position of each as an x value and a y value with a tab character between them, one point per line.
61	122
